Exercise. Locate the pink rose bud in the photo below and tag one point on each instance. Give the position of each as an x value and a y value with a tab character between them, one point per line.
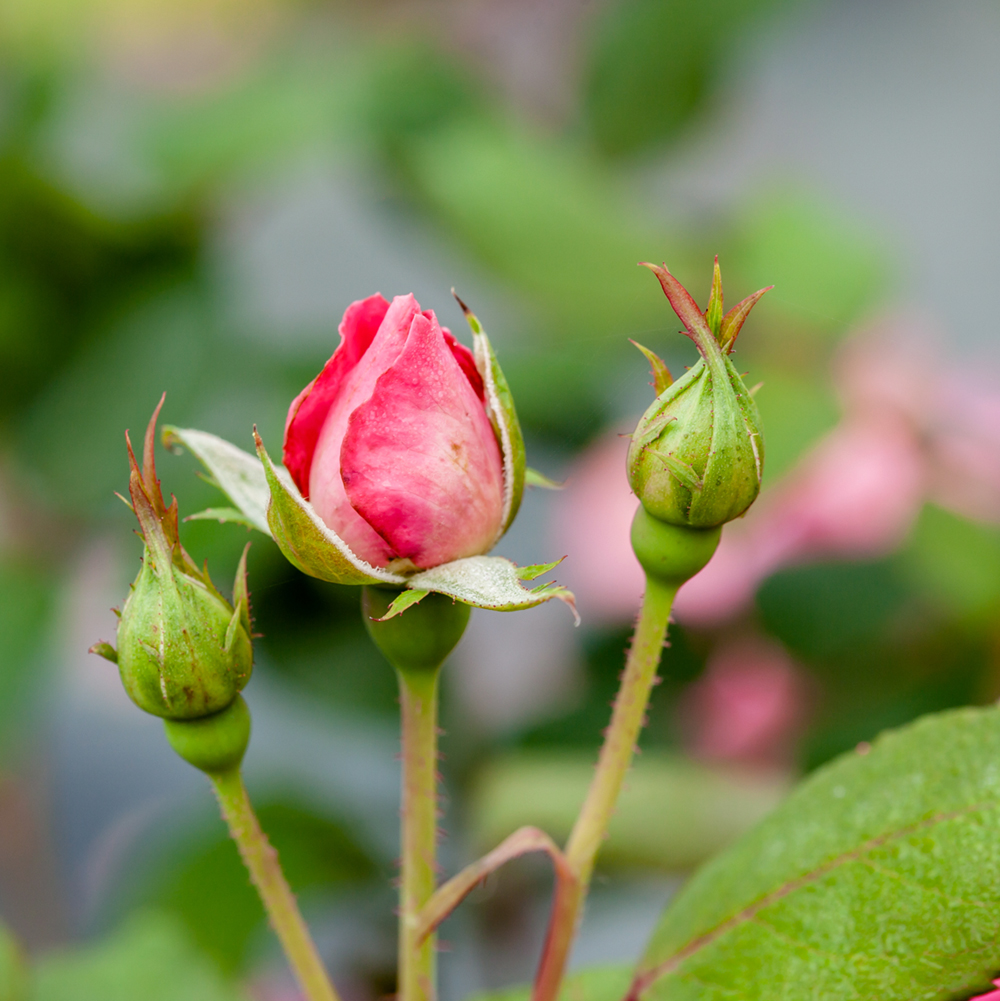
392	442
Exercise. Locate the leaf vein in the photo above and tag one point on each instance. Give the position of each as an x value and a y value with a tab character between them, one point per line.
748	913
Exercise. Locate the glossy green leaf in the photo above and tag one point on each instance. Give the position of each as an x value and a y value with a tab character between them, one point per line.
878	878
238	474
488	582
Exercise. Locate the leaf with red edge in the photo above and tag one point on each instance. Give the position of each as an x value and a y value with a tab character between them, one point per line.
733	321
695	324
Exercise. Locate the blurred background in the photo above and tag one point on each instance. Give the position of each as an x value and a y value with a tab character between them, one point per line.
192	191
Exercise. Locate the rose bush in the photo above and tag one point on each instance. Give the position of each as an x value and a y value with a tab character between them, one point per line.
391	442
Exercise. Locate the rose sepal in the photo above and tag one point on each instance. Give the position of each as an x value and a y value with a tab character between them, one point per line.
303	538
503	417
268	500
491	582
237	473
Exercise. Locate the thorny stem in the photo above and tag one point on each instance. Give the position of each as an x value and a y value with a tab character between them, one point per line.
265	871
418	700
615	759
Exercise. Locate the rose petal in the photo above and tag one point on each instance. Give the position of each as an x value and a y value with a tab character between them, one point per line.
326	487
309	409
420	461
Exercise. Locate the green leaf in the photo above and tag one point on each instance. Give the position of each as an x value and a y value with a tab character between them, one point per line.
662	379
223	515
238	474
599	983
150	957
536	570
877	878
672	815
533	478
488	582
13	969
306	542
403	602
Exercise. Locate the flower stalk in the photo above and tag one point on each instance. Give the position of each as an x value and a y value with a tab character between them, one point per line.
416	644
694	463
262	863
670	555
418	697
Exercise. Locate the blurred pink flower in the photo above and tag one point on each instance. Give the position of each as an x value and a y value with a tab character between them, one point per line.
749	706
854	496
593	516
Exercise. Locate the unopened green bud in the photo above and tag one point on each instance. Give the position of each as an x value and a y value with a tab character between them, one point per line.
697	455
213	743
183	651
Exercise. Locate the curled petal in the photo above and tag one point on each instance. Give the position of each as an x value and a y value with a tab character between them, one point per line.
309	409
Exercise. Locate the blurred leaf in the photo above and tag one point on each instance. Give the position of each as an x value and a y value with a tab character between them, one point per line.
303	98
77	447
13	969
544	217
207	886
672	814
826	266
65	269
876	879
797	411
26	607
149	958
955	562
824	610
599	983
412	89
655	62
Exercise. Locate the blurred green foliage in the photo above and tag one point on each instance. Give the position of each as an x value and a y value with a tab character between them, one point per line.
109	295
205	884
673	815
655	63
150	957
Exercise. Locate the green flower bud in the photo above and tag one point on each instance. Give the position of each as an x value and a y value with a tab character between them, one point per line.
184	652
697	454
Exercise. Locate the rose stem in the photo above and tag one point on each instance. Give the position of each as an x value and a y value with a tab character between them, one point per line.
265	872
418	700
616	756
